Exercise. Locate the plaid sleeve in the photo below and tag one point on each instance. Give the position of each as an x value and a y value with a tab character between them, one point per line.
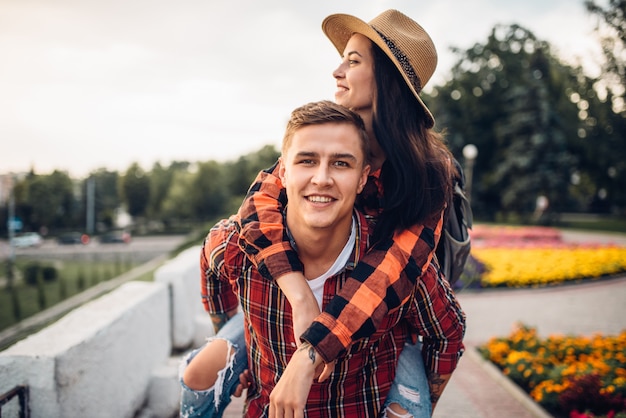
381	282
262	234
437	315
220	261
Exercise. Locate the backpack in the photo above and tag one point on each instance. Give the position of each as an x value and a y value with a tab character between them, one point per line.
454	245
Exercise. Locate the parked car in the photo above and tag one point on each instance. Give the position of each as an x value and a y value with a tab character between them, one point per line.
27	239
122	237
73	238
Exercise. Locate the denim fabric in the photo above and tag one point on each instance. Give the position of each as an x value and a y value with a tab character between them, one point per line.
410	387
212	402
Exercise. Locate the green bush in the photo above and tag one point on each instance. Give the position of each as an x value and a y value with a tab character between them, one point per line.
49	273
33	270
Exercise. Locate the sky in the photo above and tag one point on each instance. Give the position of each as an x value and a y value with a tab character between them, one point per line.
89	84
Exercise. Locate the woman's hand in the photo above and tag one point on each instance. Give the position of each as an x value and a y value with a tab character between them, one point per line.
245	382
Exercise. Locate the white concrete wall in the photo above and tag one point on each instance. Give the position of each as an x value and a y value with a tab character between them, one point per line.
98	360
190	322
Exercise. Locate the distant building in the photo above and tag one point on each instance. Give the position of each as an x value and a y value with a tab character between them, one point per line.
6	184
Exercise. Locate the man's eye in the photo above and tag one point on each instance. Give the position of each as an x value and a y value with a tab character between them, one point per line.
342	164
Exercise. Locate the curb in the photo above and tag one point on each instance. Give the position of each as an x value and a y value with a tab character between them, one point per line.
507	384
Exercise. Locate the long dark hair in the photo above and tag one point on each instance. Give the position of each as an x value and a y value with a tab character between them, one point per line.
416	174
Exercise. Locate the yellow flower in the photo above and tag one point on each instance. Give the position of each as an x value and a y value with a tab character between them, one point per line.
517	267
561	357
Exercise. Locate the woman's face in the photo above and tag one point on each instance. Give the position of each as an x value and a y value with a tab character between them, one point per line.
356	86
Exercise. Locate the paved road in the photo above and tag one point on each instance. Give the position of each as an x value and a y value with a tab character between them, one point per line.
50	248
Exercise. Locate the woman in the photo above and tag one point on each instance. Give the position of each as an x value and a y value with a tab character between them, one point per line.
385	65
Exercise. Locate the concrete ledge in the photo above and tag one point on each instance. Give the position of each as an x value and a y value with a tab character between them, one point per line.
98	360
182	276
164	392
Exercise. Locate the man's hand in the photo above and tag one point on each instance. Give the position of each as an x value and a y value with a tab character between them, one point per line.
289	396
304	307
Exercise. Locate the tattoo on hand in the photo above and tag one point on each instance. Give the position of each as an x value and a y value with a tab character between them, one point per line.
310	349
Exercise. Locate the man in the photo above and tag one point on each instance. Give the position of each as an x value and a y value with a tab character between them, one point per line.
323	168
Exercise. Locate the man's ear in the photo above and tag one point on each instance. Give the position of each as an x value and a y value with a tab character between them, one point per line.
363	179
281	170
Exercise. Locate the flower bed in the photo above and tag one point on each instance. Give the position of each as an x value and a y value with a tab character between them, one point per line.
569	376
530	256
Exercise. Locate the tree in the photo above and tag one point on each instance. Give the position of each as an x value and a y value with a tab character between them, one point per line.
107	198
135	190
161	180
241	173
51	199
522	108
610	176
175	205
611	28
209	195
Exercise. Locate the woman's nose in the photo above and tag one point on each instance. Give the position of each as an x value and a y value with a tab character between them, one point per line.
339	72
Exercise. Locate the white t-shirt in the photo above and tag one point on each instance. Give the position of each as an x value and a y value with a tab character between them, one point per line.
317	284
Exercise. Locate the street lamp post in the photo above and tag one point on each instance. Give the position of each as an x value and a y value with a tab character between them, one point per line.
11	230
469	152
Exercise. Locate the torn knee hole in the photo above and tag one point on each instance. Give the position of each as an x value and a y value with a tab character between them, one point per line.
394	410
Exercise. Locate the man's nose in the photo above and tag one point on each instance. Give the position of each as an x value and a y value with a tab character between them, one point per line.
322	176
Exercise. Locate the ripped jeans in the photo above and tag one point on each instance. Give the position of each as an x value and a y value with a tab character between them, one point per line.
410	386
409	390
213	401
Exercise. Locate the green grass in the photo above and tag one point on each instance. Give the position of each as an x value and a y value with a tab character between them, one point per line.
581	222
605	225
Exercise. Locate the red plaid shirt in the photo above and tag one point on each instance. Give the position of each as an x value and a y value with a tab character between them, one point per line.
384	280
363	374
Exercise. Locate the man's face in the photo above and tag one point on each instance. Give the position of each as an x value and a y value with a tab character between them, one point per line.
323	170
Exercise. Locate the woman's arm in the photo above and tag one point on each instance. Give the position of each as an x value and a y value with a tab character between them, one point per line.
262	235
263	239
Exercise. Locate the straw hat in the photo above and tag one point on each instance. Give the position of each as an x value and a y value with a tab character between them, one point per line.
404	41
